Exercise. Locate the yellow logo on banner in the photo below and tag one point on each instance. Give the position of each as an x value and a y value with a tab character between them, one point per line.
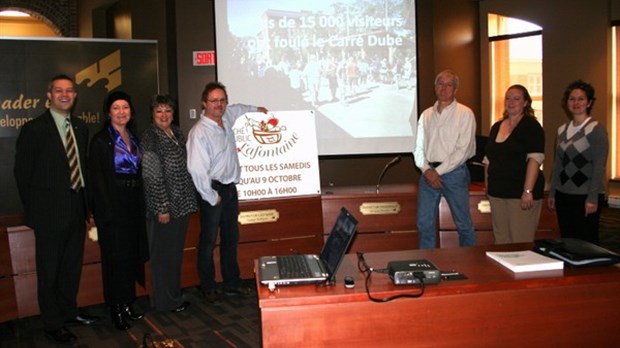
107	68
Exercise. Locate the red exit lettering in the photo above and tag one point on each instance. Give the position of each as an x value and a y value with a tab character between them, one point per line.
204	58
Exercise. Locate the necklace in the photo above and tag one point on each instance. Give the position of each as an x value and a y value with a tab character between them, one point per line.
171	137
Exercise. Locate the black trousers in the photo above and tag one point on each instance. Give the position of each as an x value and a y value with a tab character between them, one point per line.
59	255
572	220
119	242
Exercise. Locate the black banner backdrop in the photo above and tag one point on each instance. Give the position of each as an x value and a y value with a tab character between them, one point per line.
97	67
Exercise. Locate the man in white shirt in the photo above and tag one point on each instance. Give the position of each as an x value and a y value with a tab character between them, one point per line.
214	166
446	139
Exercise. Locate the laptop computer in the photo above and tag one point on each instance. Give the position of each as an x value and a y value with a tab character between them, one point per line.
278	270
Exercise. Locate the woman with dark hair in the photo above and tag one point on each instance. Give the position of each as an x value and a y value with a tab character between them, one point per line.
514	181
577	184
170	199
117	202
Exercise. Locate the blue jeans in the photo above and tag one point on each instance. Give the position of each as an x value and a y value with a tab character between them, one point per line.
456	191
224	217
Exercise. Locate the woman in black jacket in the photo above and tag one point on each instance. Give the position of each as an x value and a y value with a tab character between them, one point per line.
117	202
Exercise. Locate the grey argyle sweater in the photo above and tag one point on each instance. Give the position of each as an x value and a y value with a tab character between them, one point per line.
579	166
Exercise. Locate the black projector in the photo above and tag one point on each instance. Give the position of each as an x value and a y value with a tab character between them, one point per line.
413	272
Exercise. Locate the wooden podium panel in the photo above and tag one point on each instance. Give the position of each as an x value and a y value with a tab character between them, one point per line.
290	225
387	220
8	302
298	228
480	210
21	243
90	292
6	267
384	241
297	217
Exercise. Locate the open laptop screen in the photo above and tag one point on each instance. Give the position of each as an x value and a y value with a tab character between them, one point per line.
338	241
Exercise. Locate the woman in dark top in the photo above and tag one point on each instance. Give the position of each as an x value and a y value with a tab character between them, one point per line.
118	205
170	199
513	178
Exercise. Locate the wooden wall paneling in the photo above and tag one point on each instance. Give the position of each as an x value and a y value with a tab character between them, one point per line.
26	294
189	274
298	228
480	210
21	242
8	301
384	241
6	267
91	286
297	217
375	232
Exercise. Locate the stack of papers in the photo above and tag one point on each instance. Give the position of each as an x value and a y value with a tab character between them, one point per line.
525	261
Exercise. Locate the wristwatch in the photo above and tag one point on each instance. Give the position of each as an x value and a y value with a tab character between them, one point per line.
528	191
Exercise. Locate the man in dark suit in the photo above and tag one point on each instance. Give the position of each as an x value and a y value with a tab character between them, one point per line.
54	206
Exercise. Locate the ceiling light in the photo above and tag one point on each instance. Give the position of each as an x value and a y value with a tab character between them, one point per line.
12	13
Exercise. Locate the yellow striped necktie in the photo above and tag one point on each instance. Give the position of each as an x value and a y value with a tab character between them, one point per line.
76	183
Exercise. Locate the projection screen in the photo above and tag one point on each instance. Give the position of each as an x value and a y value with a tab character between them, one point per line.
351	61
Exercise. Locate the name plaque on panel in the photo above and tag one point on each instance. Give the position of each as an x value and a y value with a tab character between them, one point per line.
380	208
258	216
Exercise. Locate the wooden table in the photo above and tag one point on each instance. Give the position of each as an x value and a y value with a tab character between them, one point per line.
493	307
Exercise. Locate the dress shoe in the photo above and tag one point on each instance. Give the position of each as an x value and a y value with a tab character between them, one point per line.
129	313
238	291
119	320
61	335
212	296
181	308
82	319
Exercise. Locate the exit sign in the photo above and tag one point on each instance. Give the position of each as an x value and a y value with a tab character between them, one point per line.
202	58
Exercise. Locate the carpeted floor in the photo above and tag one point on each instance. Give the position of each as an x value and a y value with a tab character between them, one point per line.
234	322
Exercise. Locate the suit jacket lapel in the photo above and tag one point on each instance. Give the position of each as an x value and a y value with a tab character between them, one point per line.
55	136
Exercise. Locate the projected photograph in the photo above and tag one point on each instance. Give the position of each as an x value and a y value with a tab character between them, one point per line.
351	61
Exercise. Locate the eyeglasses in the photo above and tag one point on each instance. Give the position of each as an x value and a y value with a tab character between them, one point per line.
215	101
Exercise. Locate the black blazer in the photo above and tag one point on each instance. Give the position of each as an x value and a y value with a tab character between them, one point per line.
101	174
102	200
42	171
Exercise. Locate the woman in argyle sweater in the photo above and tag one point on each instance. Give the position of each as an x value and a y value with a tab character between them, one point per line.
577	183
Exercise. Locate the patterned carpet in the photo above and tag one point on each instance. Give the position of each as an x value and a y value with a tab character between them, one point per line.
235	322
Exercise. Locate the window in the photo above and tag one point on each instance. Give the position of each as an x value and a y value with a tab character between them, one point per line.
615	105
516	58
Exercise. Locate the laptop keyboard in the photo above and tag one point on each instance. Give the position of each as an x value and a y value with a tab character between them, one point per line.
293	266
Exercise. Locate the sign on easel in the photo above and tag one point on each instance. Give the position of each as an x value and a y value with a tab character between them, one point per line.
278	154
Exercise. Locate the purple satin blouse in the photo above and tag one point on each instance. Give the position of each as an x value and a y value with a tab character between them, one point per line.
125	161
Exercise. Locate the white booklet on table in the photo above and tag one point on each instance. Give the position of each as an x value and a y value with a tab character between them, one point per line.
525	261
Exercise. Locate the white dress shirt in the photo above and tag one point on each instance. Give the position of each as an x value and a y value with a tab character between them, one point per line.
448	137
212	152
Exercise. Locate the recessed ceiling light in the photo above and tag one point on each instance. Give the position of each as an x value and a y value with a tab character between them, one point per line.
12	13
